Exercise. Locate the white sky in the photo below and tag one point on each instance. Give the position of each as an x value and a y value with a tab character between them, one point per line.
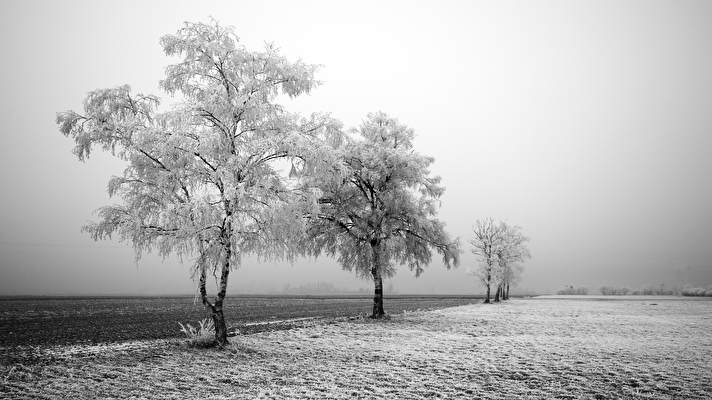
585	122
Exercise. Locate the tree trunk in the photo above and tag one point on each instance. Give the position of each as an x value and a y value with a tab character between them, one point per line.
487	299
496	296
507	296
215	314
203	292
220	327
377	282
218	316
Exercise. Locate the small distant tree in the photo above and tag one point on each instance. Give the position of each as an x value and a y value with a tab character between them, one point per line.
377	208
512	250
511	277
487	240
201	178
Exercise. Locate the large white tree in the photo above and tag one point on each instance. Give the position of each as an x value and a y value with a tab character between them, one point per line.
201	179
378	205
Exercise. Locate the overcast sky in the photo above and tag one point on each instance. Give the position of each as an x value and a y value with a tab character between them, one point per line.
588	123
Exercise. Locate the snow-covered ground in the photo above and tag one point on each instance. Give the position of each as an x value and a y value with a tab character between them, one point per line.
533	348
634	297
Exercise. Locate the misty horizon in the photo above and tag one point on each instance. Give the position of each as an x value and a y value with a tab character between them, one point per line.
586	124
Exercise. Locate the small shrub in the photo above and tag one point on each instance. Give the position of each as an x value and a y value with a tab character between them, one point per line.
202	336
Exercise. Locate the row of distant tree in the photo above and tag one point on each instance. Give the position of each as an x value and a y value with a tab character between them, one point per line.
648	291
319	288
206	178
570	290
697	291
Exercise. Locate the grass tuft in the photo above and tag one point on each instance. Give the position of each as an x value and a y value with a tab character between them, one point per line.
202	336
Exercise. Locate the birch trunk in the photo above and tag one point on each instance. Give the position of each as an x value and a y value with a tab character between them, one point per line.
218	316
489	277
216	312
378	311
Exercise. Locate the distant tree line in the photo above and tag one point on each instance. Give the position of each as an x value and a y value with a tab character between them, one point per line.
610	291
570	290
321	288
697	291
647	291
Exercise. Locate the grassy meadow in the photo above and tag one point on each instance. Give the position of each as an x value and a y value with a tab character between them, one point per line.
561	347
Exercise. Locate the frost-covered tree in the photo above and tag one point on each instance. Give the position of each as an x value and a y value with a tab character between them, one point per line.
201	179
512	250
486	241
511	277
499	248
377	209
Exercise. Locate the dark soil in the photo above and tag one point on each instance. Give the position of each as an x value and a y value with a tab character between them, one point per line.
75	320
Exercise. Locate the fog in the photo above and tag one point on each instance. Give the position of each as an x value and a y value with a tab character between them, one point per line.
587	123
